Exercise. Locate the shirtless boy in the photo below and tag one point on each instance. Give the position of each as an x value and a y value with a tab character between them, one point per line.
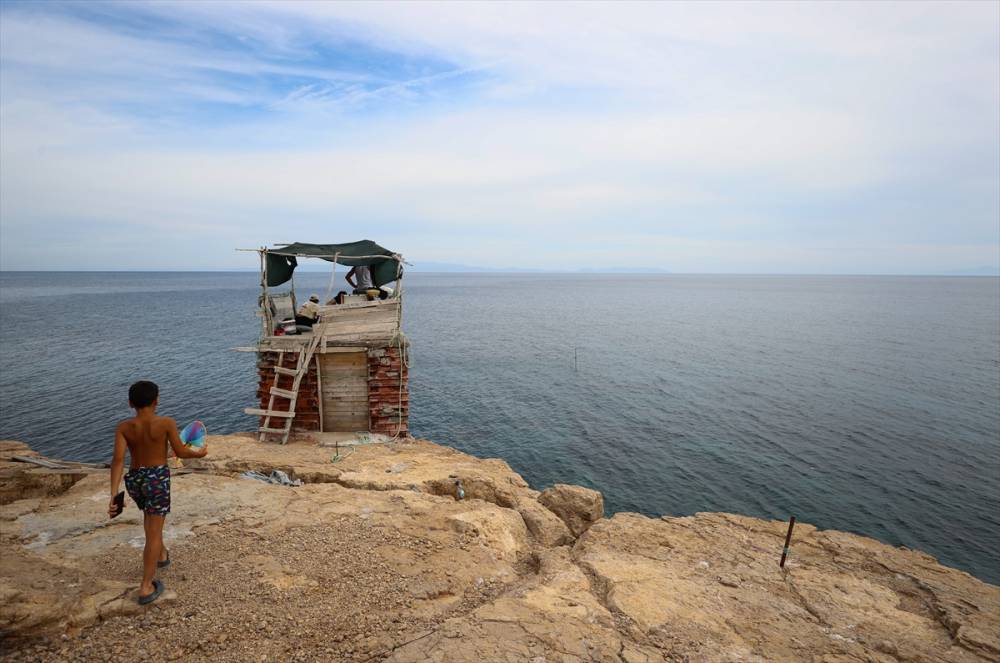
148	480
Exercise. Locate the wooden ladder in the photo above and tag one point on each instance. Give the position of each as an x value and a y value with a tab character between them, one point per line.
291	394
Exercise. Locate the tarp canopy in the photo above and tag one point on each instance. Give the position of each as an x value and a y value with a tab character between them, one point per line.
385	266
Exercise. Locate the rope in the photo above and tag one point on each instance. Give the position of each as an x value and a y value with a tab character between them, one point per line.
339	456
403	360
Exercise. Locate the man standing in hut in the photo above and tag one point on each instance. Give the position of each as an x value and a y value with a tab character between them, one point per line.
146	436
364	282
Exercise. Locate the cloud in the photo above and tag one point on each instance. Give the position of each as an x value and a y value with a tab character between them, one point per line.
706	137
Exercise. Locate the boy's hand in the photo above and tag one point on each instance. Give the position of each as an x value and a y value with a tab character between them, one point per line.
112	508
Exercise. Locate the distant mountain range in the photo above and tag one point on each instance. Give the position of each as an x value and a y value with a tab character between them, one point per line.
454	267
974	271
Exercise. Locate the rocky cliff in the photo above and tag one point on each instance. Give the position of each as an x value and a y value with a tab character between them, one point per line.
374	559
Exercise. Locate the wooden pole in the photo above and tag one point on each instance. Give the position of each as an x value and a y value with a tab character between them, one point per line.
264	305
319	393
291	289
788	541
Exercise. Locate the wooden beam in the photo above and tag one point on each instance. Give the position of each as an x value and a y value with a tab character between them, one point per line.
284	393
267	413
41	462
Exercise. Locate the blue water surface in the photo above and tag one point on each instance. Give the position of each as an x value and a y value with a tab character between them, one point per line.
866	404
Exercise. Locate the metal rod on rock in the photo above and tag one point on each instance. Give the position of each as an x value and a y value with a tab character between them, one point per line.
788	542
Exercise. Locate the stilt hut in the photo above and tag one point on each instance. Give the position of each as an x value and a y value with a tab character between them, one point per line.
347	372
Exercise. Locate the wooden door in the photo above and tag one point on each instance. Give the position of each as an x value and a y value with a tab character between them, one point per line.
344	377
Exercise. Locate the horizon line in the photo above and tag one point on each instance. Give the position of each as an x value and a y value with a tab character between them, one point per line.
526	270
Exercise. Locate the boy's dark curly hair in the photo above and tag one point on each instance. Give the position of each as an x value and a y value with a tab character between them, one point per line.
143	393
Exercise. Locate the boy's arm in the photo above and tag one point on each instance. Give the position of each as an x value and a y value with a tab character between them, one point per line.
181	450
350	274
117	468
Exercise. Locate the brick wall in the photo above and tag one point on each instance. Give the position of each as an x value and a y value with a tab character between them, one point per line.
306	405
385	372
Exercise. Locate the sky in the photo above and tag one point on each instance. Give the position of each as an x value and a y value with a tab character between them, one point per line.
707	138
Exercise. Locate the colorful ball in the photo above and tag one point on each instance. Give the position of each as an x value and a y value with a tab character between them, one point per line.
193	434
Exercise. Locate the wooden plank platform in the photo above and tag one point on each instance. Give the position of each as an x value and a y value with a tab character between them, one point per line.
365	322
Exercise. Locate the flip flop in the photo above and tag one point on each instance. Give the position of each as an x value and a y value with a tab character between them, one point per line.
164	563
149	598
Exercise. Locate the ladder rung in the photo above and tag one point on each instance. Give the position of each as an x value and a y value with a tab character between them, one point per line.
286	371
278	431
267	413
284	393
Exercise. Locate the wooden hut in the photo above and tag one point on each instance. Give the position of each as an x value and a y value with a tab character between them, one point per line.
348	372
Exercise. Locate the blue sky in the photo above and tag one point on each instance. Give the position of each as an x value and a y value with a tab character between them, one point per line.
743	137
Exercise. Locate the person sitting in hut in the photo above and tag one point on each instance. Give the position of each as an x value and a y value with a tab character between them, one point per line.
308	313
339	299
364	281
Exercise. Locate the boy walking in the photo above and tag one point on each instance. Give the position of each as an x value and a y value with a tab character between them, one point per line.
148	480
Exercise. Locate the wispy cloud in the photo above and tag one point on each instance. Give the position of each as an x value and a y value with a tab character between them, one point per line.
762	137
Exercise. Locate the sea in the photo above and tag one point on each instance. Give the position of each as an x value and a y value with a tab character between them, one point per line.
856	403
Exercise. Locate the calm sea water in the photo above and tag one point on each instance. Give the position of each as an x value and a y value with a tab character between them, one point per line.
867	404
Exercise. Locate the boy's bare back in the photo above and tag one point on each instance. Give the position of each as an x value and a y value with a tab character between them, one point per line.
147	438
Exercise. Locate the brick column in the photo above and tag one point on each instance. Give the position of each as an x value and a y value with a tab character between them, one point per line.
387	373
306	405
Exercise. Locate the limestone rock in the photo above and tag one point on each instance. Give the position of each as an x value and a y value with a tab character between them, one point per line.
10	448
554	617
577	506
502	531
20	480
360	565
546	527
711	584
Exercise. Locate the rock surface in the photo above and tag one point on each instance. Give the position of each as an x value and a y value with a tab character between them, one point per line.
577	506
375	559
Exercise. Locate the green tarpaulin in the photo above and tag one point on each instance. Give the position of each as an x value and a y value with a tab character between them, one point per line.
281	262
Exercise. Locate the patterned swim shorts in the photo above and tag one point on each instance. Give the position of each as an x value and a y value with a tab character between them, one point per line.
149	487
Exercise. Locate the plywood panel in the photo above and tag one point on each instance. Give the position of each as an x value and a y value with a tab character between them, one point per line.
350	419
370	321
348	360
345	391
378	313
344	397
345	327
